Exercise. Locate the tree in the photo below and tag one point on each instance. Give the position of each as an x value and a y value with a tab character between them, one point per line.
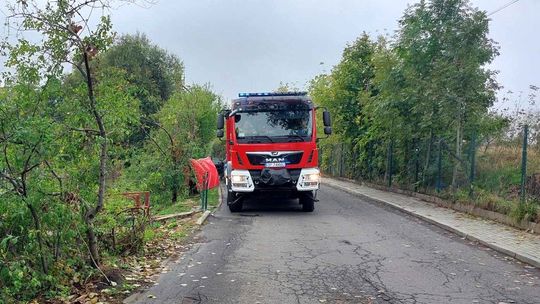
352	85
444	48
285	87
184	129
155	73
69	37
429	85
26	142
347	91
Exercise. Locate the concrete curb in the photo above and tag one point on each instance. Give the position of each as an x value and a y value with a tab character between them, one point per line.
176	215
460	207
517	256
203	217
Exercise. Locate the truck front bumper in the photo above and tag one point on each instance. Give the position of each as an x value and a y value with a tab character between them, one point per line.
266	180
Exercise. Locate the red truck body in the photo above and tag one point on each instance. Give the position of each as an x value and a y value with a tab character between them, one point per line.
271	147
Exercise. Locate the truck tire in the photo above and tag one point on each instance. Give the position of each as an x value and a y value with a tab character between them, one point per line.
234	203
308	202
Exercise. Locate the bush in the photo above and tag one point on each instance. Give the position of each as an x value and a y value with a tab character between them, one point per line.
525	211
121	227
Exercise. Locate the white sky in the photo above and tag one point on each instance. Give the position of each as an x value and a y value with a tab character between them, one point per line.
252	45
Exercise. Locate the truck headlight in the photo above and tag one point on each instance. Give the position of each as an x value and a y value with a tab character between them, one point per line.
241	181
309	179
239	178
312	177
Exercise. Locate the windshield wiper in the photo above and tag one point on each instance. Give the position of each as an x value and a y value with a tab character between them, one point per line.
260	136
296	136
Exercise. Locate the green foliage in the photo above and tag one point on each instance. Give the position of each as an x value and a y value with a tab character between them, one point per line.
525	211
285	87
48	171
348	88
213	197
172	209
398	103
427	85
184	129
120	226
61	133
154	73
218	149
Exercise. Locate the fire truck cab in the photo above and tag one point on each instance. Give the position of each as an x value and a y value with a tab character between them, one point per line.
271	147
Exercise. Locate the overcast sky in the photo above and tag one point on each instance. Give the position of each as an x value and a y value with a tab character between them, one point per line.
241	45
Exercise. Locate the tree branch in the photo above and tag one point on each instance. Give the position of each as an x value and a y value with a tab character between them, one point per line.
85	130
13	182
55	175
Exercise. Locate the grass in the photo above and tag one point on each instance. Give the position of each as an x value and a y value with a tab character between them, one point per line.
213	197
528	211
499	168
497	187
187	205
181	206
497	182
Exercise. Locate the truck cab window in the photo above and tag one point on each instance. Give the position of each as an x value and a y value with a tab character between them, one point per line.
280	125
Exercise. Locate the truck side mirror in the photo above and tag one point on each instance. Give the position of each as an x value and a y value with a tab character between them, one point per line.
219	133
327	121
220	121
327	130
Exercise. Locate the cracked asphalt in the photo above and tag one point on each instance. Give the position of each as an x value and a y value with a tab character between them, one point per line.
348	251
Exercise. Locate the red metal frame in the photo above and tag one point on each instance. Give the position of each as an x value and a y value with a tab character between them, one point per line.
136	197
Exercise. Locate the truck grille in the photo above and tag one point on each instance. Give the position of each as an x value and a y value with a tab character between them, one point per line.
256	176
261	158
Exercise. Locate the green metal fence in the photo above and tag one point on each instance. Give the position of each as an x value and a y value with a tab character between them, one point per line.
428	165
204	192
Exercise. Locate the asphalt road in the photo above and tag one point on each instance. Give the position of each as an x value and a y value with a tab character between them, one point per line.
348	251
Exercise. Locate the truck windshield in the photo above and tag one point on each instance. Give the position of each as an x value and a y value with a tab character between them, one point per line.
273	126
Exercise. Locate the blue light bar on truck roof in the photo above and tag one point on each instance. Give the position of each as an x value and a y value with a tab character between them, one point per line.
272	94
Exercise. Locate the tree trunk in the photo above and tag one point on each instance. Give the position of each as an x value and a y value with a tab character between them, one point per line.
459	135
92	242
92	212
175	187
37	226
57	246
428	156
174	192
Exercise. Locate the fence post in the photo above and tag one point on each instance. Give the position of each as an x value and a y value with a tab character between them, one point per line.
370	166
524	162
336	160
390	161
341	160
204	192
473	164
354	164
332	167
416	167
439	167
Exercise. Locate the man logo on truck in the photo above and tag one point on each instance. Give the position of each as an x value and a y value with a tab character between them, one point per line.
271	147
275	160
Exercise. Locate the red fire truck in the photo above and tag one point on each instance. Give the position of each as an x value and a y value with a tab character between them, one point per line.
271	147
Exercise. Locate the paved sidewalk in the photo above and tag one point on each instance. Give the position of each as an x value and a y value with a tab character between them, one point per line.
508	240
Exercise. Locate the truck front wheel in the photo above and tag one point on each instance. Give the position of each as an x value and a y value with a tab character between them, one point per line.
234	202
307	200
